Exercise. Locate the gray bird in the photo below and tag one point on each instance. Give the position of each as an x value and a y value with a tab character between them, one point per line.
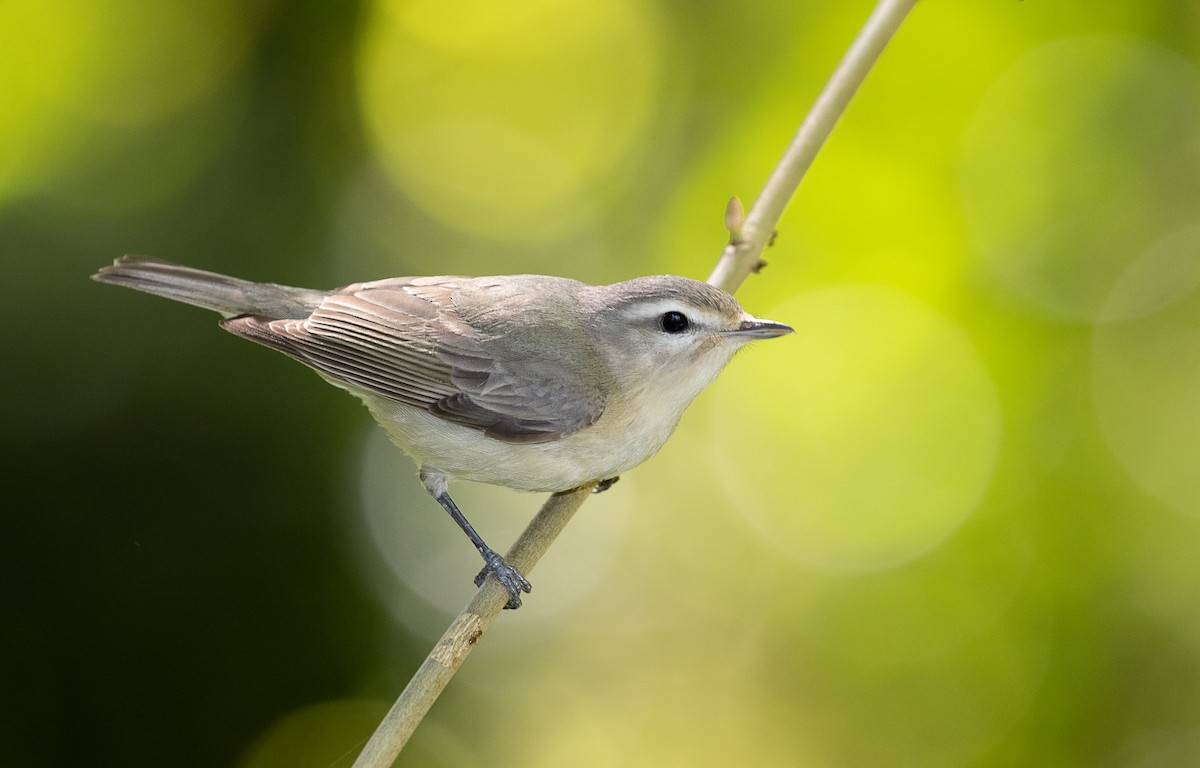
531	382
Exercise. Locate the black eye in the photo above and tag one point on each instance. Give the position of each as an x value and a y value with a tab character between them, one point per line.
673	322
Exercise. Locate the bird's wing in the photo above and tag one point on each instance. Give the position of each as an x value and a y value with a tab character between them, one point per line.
403	339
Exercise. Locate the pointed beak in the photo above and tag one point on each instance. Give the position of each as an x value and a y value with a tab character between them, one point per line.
759	329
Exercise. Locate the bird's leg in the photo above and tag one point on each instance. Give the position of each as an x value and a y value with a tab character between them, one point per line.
605	484
508	576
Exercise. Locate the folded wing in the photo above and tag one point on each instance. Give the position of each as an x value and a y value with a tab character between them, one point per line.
402	339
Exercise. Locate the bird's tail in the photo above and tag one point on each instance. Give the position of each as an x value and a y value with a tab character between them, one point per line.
227	295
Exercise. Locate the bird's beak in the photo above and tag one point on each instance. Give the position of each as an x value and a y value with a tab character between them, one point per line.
759	329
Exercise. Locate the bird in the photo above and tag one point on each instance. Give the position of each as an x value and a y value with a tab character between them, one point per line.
530	382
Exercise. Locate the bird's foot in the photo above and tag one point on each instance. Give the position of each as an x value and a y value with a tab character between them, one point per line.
605	484
508	576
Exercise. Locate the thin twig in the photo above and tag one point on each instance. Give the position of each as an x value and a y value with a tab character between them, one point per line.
742	256
744	253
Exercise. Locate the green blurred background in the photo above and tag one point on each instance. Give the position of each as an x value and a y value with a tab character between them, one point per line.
953	521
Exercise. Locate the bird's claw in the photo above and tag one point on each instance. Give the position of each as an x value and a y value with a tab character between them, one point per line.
605	484
508	576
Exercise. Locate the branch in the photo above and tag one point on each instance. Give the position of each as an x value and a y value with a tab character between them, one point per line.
747	239
749	235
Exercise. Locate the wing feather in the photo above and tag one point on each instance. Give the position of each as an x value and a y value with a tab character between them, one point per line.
403	339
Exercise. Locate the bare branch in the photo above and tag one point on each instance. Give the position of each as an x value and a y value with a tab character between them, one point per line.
743	255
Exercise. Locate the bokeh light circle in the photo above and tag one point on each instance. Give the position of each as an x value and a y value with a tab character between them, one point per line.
1083	154
79	74
1146	385
1163	274
496	118
870	436
179	52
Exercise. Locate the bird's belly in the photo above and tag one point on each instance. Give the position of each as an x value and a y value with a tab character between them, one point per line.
603	450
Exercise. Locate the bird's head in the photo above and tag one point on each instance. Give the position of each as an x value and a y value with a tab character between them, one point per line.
670	335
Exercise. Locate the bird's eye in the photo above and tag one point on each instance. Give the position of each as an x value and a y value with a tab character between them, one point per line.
673	322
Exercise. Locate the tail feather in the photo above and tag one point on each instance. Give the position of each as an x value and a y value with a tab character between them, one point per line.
228	295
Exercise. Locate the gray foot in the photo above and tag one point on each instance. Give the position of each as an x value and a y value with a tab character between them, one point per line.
508	576
605	484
